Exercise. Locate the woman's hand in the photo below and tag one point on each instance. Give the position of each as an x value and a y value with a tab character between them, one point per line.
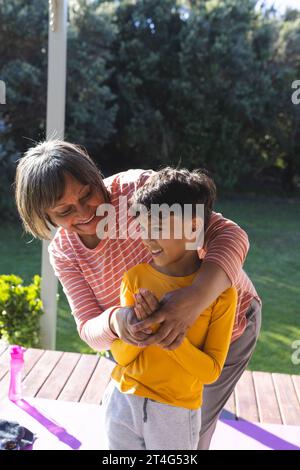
178	311
122	321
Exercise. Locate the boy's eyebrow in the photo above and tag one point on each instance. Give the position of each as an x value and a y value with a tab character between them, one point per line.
162	219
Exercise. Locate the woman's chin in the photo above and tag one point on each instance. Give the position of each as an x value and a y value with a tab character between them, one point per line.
86	229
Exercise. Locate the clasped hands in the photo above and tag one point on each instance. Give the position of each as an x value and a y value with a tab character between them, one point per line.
174	314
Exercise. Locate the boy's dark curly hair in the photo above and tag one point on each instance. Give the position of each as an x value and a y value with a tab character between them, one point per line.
181	186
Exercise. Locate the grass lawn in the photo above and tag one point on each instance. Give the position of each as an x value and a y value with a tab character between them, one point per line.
273	264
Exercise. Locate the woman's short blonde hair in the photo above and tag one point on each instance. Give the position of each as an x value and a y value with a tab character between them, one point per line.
40	181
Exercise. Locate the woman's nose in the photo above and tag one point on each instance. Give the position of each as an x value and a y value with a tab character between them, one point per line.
81	210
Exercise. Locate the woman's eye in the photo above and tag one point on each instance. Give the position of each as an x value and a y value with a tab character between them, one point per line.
62	214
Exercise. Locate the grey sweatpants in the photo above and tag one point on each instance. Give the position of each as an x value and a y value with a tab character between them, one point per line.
216	395
136	423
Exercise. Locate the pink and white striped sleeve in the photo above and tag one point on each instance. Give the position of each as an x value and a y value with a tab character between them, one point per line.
226	244
92	321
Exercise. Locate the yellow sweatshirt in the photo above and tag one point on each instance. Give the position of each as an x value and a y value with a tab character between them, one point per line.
174	377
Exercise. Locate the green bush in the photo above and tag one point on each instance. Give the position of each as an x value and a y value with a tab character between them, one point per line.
20	310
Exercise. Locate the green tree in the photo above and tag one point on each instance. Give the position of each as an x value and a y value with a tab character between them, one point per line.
285	126
224	88
147	60
23	67
194	81
90	107
203	82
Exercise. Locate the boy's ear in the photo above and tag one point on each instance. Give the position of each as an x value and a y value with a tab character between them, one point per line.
197	225
196	235
194	228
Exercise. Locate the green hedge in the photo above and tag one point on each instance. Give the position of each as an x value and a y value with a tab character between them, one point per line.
20	310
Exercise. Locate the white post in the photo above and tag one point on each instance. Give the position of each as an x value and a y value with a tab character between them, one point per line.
55	126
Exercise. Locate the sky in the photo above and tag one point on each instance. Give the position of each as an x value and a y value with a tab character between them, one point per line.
282	4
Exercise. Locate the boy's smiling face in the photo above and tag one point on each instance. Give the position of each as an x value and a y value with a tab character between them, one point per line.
166	240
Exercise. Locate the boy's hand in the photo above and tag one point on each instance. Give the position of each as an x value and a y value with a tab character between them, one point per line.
174	323
145	304
122	321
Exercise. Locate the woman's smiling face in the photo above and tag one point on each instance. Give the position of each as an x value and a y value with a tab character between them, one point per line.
76	209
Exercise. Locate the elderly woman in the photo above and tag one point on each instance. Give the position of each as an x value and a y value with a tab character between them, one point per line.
58	184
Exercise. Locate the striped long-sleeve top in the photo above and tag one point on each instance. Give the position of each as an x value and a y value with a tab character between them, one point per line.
91	278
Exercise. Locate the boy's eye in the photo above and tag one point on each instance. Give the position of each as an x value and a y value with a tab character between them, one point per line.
143	229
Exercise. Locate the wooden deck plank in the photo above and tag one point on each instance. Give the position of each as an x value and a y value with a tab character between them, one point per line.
246	405
4	384
58	377
268	407
259	396
40	372
4	362
31	357
3	346
98	383
79	379
296	382
287	399
230	405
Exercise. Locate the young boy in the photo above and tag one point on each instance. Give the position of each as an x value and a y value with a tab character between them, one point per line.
154	398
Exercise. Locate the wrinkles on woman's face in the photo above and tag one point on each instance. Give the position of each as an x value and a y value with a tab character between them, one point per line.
76	209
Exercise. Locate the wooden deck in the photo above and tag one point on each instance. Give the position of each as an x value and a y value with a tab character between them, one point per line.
258	397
